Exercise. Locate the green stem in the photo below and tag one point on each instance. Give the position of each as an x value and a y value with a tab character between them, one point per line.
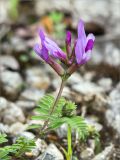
54	104
69	138
58	96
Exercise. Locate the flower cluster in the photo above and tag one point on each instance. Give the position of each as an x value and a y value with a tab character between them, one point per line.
74	57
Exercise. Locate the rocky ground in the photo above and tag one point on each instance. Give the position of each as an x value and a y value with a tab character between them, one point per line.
95	88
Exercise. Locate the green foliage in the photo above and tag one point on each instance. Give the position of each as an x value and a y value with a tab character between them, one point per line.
3	138
16	150
59	27
95	135
24	58
13	9
63	113
23	145
56	16
69	109
44	108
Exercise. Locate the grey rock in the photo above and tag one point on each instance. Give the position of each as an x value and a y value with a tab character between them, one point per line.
86	87
89	76
55	83
3	104
18	44
106	83
51	153
66	92
17	128
112	52
36	78
98	57
12	114
62	131
109	52
97	9
40	147
10	62
32	94
87	154
4	128
113	112
41	6
38	122
25	104
27	135
105	154
11	83
75	79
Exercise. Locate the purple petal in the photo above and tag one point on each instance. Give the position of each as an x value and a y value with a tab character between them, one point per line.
68	38
37	49
81	32
42	36
86	57
54	49
90	42
51	46
42	52
89	45
79	51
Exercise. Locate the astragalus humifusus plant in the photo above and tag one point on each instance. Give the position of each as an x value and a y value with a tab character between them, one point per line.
57	111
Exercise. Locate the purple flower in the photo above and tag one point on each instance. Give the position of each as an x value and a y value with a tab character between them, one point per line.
74	57
42	52
49	50
84	45
68	43
68	38
52	47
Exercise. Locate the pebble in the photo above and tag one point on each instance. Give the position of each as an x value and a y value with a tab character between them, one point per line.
3	104
25	105
51	153
27	135
11	84
112	54
87	88
55	83
89	76
18	44
36	78
106	83
66	92
75	79
17	128
105	154
31	94
113	112
62	131
87	154
4	128
9	62
12	114
40	147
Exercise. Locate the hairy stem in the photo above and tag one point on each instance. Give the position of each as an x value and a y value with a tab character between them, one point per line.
69	138
54	104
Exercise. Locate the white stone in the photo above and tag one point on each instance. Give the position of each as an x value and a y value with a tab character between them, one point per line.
51	152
